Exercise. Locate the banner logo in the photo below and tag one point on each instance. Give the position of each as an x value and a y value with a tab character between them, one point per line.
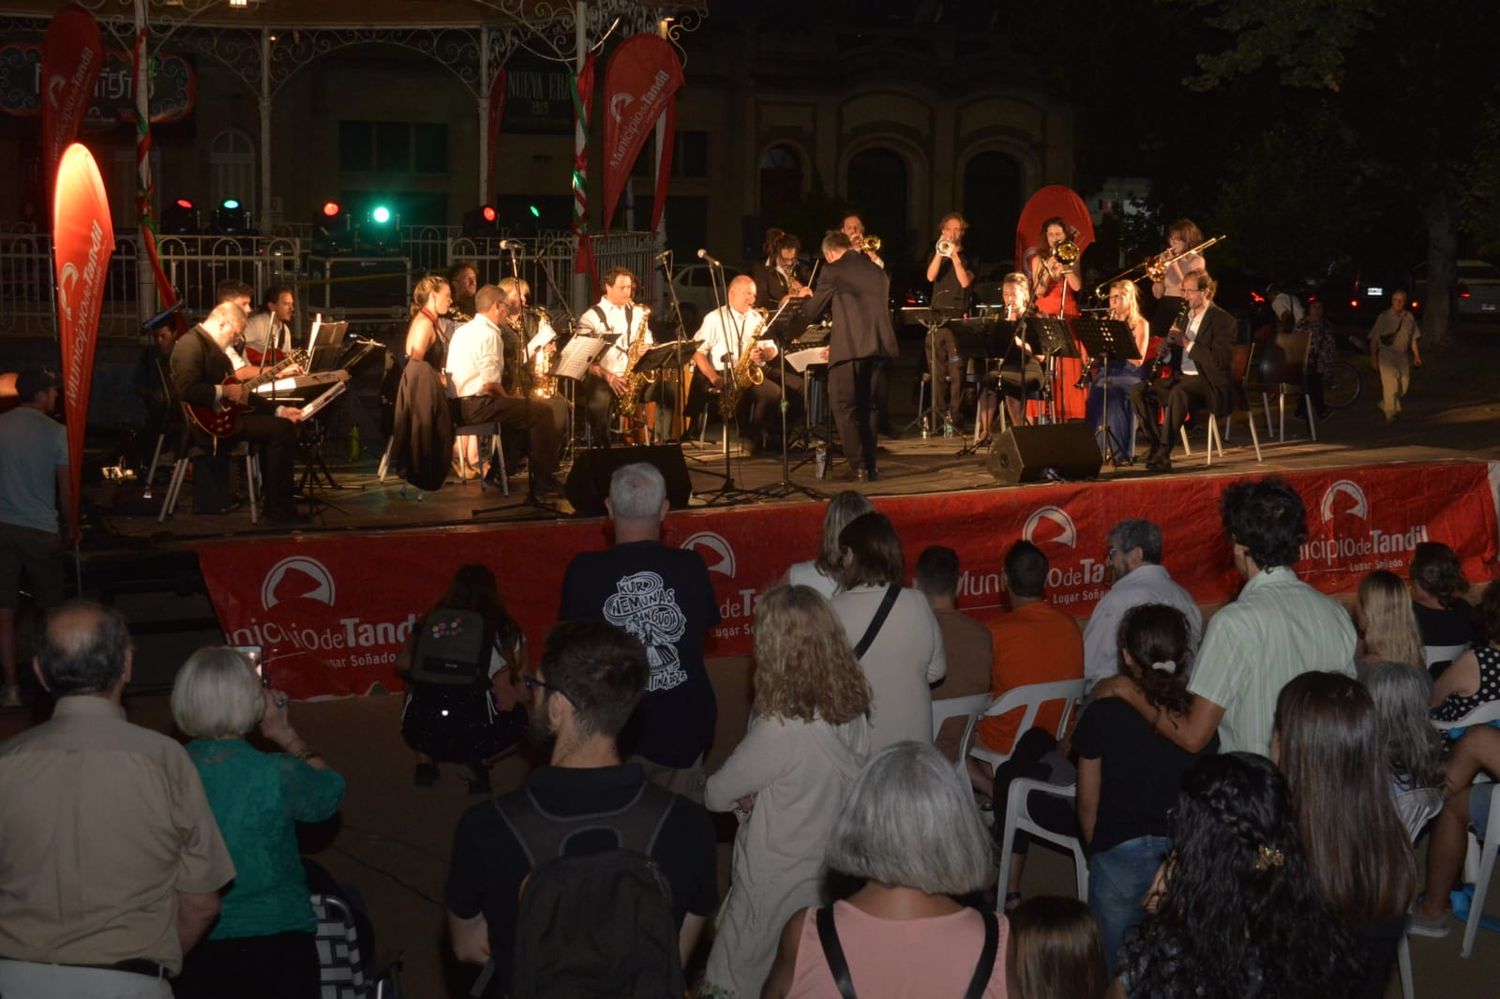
66	282
1360	505
297	577
1050	518
722	560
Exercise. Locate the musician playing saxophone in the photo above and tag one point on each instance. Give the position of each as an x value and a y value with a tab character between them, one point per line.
728	336
528	336
617	315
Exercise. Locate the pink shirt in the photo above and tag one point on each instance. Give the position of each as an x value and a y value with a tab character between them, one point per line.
898	957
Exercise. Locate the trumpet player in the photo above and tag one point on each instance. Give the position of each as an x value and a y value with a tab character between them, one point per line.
854	227
724	339
616	315
951	274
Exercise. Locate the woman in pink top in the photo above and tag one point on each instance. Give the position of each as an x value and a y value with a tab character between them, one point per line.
911	830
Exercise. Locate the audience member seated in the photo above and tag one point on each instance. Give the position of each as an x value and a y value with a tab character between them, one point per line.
1054	951
473	724
1474	677
910	832
1034	643
263	943
1234	911
1438	598
968	646
1128	776
1277	628
1383	616
590	680
1327	744
1134	560
892	630
112	861
1466	806
1413	748
808	738
821	573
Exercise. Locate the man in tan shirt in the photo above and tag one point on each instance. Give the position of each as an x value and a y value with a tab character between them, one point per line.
112	861
968	645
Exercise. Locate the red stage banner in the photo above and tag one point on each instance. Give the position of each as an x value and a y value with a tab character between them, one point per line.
82	240
332	622
643	75
72	56
664	167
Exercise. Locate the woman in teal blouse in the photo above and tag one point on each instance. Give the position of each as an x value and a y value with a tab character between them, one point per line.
263	943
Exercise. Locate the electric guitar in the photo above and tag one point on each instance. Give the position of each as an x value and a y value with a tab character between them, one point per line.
224	421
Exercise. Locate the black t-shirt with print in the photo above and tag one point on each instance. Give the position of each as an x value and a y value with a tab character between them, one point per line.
662	596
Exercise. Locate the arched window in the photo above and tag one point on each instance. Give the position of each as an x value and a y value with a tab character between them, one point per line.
992	205
877	190
780	183
231	158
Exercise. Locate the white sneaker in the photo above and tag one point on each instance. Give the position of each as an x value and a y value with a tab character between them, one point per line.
12	697
1422	926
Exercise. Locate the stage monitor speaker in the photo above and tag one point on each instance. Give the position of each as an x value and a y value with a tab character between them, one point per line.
588	481
1032	454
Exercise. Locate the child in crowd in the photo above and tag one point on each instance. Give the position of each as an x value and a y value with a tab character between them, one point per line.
1054	951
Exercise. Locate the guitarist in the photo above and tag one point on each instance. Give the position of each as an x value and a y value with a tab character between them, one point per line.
268	334
1204	339
203	375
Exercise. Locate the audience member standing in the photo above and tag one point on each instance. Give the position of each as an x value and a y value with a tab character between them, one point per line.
590	679
112	861
821	573
1277	628
263	944
1235	911
36	516
1474	677
1134	559
1444	616
663	597
808	738
1394	351
1128	776
968	646
911	833
1328	747
1385	621
892	630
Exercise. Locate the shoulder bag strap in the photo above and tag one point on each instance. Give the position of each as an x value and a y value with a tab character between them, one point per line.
986	966
881	613
833	952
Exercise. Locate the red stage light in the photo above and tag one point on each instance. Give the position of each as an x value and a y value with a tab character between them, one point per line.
330	209
184	203
489	213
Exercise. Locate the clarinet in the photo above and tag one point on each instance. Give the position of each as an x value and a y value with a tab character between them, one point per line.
1165	348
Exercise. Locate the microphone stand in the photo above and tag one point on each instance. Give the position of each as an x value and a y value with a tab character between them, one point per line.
729	493
786	487
570	448
664	261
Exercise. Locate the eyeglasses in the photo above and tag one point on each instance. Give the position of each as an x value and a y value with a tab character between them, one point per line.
532	682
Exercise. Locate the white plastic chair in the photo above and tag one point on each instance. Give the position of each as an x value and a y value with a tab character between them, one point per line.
1017	816
1441	653
952	707
1031	697
1416	808
1479	863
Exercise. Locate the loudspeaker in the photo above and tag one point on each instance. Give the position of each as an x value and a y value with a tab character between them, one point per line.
1031	454
588	481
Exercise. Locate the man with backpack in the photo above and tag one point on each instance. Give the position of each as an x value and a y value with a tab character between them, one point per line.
589	877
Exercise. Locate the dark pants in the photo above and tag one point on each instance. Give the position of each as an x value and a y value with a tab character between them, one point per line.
278	454
947	371
517	442
757	414
598	398
284	965
1187	393
530	415
851	395
1035	758
1313	379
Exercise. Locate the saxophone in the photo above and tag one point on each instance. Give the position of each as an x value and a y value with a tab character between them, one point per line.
634	381
745	374
543	381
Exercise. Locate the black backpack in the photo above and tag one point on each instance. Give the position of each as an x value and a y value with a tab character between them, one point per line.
600	924
452	648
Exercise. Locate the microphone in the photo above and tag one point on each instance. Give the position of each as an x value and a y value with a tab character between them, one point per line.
703	255
512	244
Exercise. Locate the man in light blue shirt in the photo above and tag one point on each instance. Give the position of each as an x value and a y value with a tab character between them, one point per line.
1278	628
33	487
1135	561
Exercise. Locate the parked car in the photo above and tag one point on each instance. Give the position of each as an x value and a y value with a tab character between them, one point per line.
1478	289
696	294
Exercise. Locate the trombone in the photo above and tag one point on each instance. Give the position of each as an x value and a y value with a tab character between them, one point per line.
1154	267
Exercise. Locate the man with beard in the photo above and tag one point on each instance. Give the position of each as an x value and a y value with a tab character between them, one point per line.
591	677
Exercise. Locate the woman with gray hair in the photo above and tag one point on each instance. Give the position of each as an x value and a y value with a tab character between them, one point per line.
1413	748
821	573
263	943
911	832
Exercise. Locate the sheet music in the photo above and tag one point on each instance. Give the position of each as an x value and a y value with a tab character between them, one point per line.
333	392
312	336
544	336
580	352
799	360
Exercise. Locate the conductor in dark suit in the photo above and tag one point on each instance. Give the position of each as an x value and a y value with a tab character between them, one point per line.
1203	381
200	366
858	291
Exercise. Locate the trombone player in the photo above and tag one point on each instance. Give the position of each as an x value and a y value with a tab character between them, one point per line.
1054	269
951	273
1166	279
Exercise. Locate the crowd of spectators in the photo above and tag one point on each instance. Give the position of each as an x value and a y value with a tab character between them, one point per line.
1245	790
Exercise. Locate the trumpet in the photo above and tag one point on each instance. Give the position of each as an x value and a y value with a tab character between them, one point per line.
945	248
869	244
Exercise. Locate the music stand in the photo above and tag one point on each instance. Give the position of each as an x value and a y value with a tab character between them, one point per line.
975	338
1106	339
931	320
804	354
778	330
1055	340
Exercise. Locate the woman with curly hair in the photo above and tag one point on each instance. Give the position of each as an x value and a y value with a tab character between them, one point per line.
1128	775
808	738
1327	742
1235	913
1385	621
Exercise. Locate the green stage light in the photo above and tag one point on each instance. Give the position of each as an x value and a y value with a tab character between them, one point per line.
536	212
230	204
381	214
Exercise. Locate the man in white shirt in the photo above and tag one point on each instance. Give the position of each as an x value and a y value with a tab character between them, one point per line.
269	329
617	315
722	339
1135	560
476	369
